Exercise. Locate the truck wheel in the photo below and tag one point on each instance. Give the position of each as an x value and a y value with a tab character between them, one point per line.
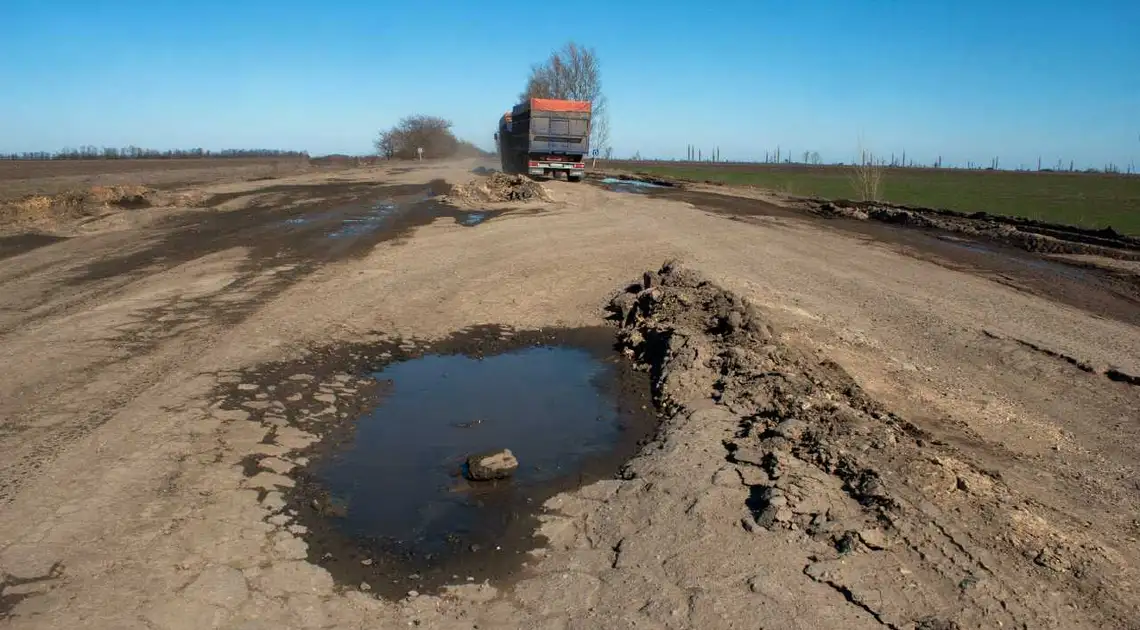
573	178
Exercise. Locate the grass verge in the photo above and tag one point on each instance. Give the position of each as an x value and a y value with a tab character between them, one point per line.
1089	200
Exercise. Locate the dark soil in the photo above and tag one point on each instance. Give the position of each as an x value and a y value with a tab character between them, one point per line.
21	243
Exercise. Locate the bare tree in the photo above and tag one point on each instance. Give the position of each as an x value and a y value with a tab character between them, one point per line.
814	158
573	73
600	128
431	133
866	175
386	144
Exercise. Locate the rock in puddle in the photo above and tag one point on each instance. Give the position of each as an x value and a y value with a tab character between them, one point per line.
499	464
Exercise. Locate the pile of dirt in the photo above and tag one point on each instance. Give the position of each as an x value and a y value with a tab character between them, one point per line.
499	188
75	203
901	524
97	200
1027	234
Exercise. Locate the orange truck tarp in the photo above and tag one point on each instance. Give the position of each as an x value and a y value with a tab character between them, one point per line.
558	105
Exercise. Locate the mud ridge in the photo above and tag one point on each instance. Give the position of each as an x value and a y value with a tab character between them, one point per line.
1027	234
882	499
1113	374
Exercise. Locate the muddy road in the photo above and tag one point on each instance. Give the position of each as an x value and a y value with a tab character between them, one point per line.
256	413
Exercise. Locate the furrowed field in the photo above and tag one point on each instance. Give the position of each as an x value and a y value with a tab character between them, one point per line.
1093	200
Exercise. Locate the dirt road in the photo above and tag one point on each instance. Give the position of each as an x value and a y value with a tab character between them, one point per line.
860	430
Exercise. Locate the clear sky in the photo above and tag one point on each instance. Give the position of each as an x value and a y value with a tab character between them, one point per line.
964	79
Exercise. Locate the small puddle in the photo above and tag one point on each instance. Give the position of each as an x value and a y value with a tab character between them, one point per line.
473	218
629	185
400	479
384	500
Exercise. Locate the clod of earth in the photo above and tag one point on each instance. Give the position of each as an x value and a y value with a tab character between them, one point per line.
495	465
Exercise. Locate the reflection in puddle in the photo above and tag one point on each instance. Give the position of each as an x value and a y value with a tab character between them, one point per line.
473	218
357	225
629	185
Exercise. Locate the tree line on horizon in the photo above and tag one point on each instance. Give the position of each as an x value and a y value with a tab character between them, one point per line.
780	156
90	152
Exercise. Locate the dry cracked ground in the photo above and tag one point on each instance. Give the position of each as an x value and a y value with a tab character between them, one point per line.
860	427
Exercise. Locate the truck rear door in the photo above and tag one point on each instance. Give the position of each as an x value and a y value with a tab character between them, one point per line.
551	133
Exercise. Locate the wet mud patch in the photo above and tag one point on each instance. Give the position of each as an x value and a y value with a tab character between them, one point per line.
14	589
381	498
283	246
22	243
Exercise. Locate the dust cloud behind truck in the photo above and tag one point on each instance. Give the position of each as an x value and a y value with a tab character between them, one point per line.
545	136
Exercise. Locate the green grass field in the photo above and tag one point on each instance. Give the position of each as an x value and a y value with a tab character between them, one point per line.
1083	199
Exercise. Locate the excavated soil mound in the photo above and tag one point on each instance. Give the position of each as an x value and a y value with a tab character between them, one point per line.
904	526
499	187
75	203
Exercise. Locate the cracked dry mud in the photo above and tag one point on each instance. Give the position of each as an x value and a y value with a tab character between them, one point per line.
860	430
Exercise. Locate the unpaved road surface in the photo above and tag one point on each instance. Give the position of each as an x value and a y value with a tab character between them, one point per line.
860	430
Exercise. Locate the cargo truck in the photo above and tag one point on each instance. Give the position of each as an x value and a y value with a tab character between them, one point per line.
545	136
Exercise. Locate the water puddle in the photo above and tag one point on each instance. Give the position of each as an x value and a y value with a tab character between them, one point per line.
353	221
371	220
629	185
385	501
400	479
473	218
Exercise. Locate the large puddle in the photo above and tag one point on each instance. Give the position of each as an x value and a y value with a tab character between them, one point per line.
384	500
629	185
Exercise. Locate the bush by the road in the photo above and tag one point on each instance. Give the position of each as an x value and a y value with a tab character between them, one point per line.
430	133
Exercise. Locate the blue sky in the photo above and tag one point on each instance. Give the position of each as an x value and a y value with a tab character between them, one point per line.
963	79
